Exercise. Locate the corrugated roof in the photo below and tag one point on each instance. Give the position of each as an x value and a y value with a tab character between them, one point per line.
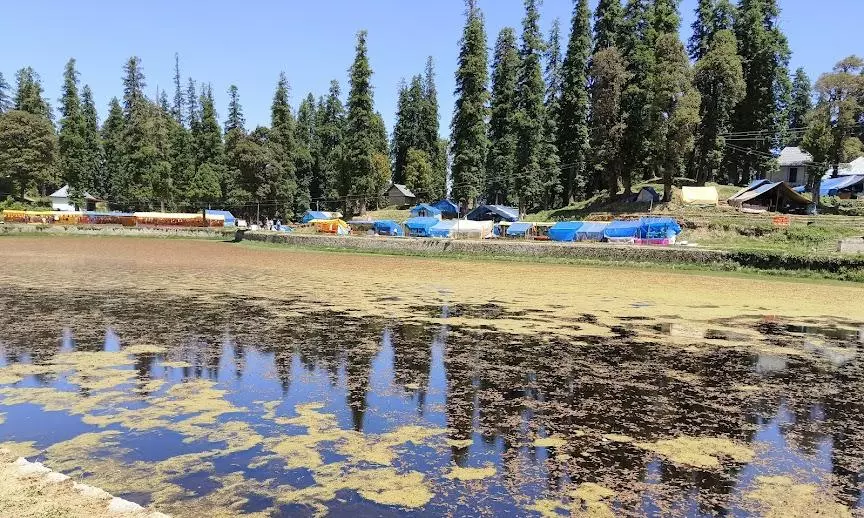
792	156
63	192
403	189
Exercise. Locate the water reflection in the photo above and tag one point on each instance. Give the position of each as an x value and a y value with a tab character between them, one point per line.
600	403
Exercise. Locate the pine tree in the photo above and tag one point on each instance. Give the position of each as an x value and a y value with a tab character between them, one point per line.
636	100
530	115
325	184
468	128
192	108
306	149
573	141
720	80
802	100
28	94
674	108
408	132
765	57
607	79
179	102
503	131
418	172
550	163
712	16
71	141
93	155
208	184
282	134
5	98
235	118
27	151
430	127
607	25
110	182
358	169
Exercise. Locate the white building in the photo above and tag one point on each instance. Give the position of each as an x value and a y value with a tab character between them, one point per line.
60	200
793	167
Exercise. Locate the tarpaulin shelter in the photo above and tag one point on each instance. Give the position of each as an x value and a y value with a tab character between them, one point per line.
230	220
467	229
659	230
700	195
361	226
838	186
388	228
443	228
311	215
623	231
494	213
565	231
448	208
647	194
591	231
419	227
425	210
520	229
772	196
331	226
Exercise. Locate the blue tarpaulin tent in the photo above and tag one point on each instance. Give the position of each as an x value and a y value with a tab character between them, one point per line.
425	211
622	230
419	227
591	231
230	220
315	214
658	228
443	228
519	229
833	186
494	213
388	228
564	230
447	208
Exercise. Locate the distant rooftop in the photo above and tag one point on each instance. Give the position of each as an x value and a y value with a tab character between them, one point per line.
794	156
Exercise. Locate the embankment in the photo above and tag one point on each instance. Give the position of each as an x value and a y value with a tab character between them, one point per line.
839	267
116	230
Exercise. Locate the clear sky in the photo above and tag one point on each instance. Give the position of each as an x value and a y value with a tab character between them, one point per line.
249	43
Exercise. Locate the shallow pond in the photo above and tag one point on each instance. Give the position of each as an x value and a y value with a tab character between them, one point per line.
216	403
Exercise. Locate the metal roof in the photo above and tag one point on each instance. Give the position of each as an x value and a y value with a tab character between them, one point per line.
792	156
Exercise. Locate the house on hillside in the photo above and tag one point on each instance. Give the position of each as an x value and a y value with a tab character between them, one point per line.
60	200
399	195
793	167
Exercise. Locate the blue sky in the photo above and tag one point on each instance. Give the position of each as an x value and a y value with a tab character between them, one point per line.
249	43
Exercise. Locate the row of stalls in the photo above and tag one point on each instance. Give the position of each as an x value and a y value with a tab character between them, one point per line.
648	231
210	218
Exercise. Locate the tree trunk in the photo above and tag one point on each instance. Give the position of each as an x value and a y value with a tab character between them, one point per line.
667	186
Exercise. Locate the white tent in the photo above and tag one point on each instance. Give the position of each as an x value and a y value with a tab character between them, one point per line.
700	195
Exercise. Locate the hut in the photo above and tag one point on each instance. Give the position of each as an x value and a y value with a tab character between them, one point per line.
424	210
763	195
388	228
419	227
398	195
622	231
494	213
449	210
565	231
60	200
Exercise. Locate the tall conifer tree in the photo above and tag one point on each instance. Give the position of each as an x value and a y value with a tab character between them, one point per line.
503	129
573	143
468	129
72	145
361	138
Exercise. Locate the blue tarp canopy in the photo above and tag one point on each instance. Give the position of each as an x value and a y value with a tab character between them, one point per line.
658	228
230	220
622	229
443	228
315	214
520	228
447	207
493	213
833	186
419	227
388	228
424	211
564	230
591	231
